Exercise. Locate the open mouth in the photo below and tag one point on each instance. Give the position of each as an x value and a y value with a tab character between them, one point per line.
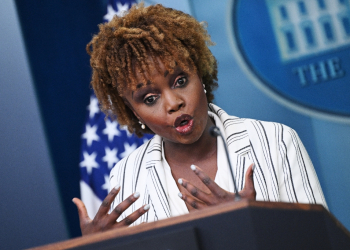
184	124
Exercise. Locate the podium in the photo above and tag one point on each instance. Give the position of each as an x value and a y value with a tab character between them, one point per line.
238	225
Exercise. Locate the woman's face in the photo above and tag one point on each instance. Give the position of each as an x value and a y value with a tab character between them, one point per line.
172	105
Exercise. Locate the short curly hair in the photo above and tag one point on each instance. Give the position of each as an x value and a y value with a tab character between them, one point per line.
138	39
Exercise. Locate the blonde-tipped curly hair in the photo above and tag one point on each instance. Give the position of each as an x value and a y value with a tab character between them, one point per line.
139	38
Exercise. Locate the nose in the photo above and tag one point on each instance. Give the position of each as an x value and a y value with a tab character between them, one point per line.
173	101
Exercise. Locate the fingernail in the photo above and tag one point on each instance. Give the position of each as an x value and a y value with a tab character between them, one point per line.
146	207
179	181
193	167
136	195
180	195
253	167
117	187
73	200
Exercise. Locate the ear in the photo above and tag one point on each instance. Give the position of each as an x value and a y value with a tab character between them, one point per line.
132	109
137	116
200	78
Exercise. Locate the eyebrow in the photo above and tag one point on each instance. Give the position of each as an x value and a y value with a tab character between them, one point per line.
140	85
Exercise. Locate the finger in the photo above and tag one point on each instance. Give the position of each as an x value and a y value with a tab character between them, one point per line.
193	190
213	187
191	201
118	210
134	216
82	212
249	182
106	204
249	190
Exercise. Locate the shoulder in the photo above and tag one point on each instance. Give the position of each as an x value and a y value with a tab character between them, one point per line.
256	131
235	123
267	132
272	136
266	126
127	163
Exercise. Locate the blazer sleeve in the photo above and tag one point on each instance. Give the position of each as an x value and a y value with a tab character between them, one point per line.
297	178
130	173
283	169
115	178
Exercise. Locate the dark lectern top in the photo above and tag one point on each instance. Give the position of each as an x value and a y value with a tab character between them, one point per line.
239	225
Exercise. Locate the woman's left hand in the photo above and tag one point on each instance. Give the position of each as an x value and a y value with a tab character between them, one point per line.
217	195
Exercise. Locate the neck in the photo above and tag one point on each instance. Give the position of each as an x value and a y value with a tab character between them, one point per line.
186	154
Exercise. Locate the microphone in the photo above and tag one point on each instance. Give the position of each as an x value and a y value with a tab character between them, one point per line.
215	132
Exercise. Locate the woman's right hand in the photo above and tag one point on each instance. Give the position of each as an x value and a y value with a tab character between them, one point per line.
104	221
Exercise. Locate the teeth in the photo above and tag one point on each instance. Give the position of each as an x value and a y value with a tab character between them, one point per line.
183	123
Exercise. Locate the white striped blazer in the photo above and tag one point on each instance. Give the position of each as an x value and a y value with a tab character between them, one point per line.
283	170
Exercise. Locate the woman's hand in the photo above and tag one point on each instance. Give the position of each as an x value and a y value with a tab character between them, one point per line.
104	221
200	199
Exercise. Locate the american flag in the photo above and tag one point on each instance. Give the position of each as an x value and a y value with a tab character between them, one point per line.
104	142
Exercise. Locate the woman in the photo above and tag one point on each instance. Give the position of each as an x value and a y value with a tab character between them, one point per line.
153	70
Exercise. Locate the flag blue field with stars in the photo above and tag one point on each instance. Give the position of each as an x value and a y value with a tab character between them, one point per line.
104	142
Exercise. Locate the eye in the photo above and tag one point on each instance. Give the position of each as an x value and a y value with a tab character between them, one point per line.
181	81
149	100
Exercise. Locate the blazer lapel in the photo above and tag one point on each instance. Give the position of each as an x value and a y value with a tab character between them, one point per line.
238	143
156	183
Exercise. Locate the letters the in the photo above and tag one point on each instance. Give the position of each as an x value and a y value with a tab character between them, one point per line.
320	71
